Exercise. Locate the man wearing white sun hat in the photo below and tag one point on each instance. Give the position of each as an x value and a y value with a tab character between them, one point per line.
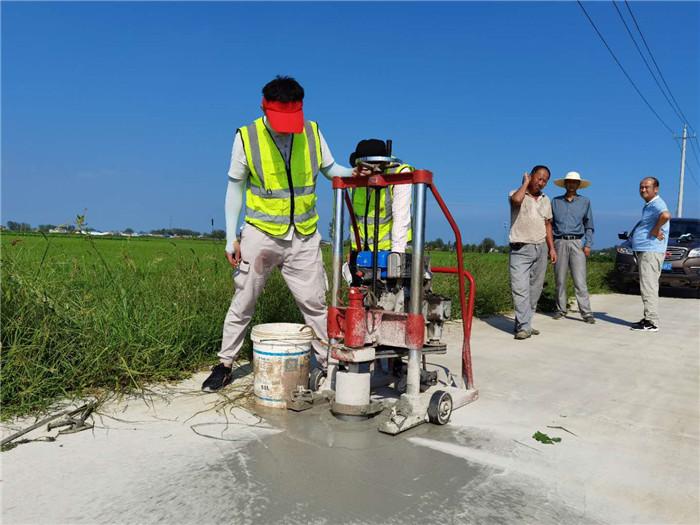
572	227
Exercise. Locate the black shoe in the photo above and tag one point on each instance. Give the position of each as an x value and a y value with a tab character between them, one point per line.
638	325
645	326
558	315
220	377
589	319
650	327
534	331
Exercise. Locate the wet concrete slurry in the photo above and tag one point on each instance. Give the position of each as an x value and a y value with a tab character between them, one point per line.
322	470
312	468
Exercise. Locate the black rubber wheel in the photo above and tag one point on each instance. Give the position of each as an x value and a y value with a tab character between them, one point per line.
315	378
440	408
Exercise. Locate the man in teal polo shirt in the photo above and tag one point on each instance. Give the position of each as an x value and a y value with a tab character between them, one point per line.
649	239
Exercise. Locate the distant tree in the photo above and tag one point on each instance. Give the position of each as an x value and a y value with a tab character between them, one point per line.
218	234
45	227
487	245
19	226
437	244
180	232
129	231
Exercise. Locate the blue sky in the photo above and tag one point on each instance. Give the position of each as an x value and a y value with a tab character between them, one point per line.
129	109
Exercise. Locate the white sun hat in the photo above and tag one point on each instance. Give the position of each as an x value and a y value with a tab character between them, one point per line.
573	175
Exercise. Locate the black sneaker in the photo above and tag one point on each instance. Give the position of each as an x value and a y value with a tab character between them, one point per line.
220	377
589	319
645	326
558	315
638	325
650	327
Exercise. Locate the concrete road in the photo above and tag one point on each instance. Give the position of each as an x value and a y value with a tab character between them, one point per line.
625	404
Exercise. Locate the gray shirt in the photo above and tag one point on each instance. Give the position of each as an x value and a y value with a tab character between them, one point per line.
573	218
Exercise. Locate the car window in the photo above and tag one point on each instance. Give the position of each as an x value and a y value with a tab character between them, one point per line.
679	228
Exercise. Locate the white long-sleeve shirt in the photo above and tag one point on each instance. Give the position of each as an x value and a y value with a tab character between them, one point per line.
401	216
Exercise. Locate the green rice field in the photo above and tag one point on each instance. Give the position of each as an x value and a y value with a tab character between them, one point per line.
81	314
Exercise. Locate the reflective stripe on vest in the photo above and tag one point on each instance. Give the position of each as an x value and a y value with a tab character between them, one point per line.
363	208
274	187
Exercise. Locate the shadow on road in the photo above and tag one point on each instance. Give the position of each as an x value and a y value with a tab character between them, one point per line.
501	322
603	316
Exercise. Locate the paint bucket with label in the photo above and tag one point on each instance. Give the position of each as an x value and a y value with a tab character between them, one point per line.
281	360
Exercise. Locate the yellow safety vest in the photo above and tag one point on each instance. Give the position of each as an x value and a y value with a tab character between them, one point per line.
279	195
363	208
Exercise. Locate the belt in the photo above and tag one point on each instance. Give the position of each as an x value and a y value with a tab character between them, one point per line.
568	237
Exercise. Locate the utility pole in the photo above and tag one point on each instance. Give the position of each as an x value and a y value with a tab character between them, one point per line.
679	209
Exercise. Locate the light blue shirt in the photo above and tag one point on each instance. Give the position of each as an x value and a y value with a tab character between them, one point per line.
642	240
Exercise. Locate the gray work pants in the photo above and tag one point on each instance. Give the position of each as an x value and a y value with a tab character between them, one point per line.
570	256
650	264
528	265
300	262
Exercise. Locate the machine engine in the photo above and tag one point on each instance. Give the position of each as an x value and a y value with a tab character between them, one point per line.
393	287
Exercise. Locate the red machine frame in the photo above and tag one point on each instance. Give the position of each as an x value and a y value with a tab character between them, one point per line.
338	316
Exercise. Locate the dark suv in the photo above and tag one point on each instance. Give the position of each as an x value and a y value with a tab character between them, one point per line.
681	267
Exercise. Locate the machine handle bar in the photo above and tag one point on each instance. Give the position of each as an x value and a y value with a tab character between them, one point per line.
467	316
467	310
381	181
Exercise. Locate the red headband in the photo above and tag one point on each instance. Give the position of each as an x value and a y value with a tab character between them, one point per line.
284	117
282	107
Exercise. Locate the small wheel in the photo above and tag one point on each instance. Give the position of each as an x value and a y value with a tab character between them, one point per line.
440	408
315	378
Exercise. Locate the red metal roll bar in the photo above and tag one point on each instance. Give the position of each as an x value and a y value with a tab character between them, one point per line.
466	303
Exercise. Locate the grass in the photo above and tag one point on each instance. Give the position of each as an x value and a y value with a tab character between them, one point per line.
80	314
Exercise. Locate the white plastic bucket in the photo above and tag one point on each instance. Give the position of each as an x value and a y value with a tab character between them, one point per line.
281	360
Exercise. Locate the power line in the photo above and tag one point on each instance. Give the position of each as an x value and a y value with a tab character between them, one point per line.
694	148
692	175
646	63
687	167
634	19
623	69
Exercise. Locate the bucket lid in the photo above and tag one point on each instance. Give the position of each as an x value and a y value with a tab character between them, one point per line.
283	332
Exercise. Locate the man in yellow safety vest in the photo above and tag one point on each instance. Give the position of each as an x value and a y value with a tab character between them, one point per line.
394	212
275	160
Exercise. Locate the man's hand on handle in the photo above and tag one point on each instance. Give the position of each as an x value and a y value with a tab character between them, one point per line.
363	170
234	258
